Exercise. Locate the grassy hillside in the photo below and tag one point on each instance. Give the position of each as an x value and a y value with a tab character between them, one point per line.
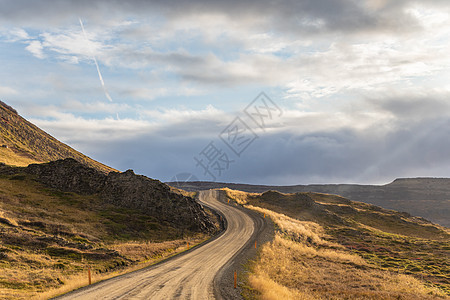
328	247
425	197
49	238
22	143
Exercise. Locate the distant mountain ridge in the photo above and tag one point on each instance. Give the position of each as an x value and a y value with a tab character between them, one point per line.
23	143
425	197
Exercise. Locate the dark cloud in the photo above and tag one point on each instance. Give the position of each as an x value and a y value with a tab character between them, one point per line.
413	106
347	155
413	142
335	155
204	69
292	16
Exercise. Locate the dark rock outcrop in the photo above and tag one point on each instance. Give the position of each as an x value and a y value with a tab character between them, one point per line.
156	199
68	175
126	190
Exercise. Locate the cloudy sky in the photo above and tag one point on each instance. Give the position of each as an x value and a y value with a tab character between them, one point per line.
357	90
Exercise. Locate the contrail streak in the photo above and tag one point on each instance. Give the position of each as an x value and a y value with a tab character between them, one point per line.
96	64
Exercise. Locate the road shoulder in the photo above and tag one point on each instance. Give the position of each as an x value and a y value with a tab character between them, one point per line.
224	281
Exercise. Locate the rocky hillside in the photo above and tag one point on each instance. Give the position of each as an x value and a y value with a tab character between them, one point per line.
425	197
59	219
22	143
126	190
332	210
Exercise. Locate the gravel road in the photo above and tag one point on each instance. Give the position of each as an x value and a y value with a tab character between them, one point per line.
188	276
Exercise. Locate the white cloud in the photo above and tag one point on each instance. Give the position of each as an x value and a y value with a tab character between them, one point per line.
15	34
68	126
73	42
35	47
70	59
95	107
144	93
7	91
72	129
306	67
175	116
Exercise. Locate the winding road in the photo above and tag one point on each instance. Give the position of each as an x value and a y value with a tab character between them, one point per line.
188	276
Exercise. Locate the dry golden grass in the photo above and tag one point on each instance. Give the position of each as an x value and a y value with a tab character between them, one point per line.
270	290
35	275
4	217
362	239
8	157
28	274
312	252
71	283
145	251
238	196
146	254
331	210
45	254
301	264
298	230
295	271
183	192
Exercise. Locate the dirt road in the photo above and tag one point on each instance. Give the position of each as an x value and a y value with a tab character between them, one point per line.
188	276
